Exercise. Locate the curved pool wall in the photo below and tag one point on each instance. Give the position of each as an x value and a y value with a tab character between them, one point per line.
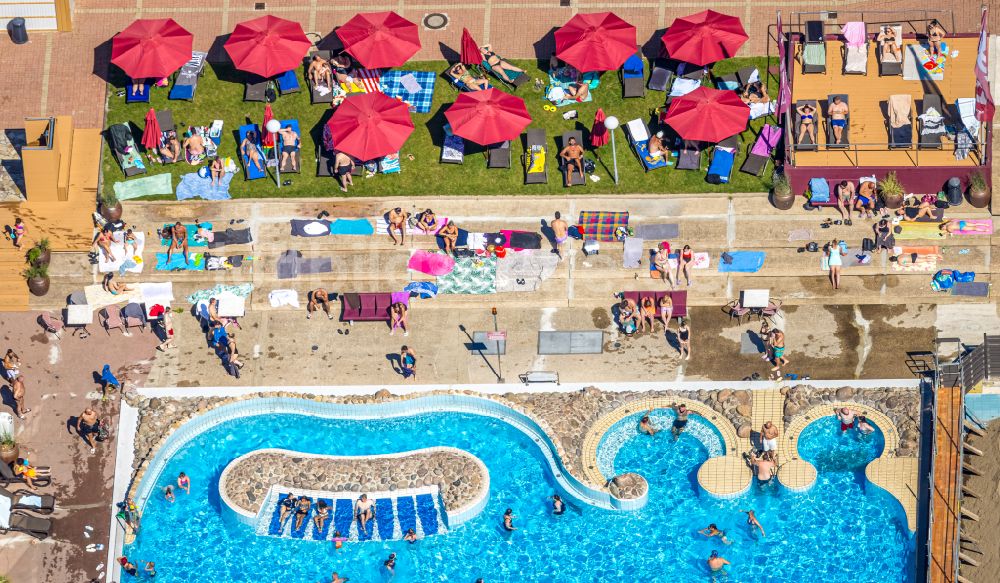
233	513
564	480
625	429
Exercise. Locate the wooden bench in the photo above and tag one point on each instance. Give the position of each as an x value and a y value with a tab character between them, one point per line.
365	307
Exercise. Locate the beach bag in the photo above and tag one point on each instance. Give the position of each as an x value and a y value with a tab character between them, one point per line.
589	166
102	430
964	276
269	94
867	244
628	327
943	280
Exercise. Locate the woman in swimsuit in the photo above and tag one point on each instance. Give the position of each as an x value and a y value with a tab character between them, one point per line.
397	315
249	149
12	364
864	427
627	310
807	115
103	241
712	531
684	264
935	37
890	50
322	515
287	508
925	208
498	65
666	306
752	522
647	312
170	151
662	263
460	73
168	493
131	241
114	287
234	353
835	262
508	520
684	340
558	506
184	483
302	510
217	169
956	225
410	536
427	221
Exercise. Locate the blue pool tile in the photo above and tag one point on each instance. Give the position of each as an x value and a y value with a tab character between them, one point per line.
406	514
384	518
428	513
321	534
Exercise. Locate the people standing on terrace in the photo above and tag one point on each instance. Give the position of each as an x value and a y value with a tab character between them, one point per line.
778	348
834	261
769	437
935	38
684	340
560	232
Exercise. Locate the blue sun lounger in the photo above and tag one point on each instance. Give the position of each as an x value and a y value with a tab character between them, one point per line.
296	155
251	170
638	137
288	82
142	96
186	81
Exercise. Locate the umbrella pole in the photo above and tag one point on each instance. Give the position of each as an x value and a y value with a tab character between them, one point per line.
277	159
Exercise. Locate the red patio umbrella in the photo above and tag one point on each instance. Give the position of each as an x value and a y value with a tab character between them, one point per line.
707	115
267	46
599	41
470	50
705	37
151	135
488	117
380	40
598	133
151	48
370	125
267	139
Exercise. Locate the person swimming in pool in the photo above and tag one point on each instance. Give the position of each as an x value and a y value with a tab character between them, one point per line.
864	427
410	536
508	520
846	417
712	531
752	522
646	424
682	419
364	510
558	506
716	563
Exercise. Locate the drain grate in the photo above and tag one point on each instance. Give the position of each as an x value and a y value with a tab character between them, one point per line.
259	6
435	21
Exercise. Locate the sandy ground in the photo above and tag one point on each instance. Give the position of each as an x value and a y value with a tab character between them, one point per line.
987	490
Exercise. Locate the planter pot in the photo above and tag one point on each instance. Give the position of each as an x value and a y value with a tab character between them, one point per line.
979	198
9	455
38	286
782	201
44	258
111	214
893	202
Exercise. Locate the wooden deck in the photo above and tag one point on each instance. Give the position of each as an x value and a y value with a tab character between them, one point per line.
945	503
868	96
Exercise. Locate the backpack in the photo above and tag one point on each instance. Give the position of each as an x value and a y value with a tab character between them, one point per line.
269	94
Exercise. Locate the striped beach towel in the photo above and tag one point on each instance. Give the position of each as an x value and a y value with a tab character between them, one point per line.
369	79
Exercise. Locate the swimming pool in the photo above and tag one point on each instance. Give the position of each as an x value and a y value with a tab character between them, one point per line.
842	529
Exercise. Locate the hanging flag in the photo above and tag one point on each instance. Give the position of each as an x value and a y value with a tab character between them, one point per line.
785	90
984	100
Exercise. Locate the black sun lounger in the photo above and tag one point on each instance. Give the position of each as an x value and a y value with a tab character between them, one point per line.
314	96
7	476
40	528
807	142
536	156
814	49
123	146
255	89
575	178
932	127
498	155
18	501
661	77
845	136
689	155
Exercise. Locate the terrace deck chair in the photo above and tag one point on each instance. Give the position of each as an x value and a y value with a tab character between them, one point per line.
759	153
931	122
186	80
575	179
741	78
638	136
660	77
535	157
142	96
250	169
720	169
51	323
814	48
7	476
516	79
459	84
288	82
807	142
255	88
900	122
134	316
165	118
111	317
888	63
633	75
453	147
287	167
123	147
686	80
498	155
19	521
688	155
314	95
855	48
845	136
967	138
23	499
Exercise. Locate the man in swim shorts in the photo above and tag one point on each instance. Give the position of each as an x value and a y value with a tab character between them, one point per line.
343	166
289	145
364	510
560	231
838	118
846	417
318	298
682	419
397	222
778	349
716	563
769	437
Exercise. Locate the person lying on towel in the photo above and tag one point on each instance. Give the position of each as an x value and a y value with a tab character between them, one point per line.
194	148
289	145
170	149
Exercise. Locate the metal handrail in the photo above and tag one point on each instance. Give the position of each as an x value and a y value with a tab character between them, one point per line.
892	17
856	148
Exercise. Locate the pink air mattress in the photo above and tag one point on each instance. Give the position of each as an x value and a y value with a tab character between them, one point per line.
431	263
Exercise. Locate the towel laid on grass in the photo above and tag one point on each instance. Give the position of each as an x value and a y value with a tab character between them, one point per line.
193	239
431	263
351	227
743	262
194	186
146	186
132	263
196	262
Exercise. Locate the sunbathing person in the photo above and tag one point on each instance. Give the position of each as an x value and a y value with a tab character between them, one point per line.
289	145
956	225
287	507
427	221
249	148
303	506
397	222
460	73
935	37
449	233
499	66
343	166
661	261
194	148
654	145
572	155
364	510
170	148
178	240
320	72
807	125
754	92
322	515
216	170
890	50
341	66
103	241
114	287
838	118
578	91
925	208
864	203
137	86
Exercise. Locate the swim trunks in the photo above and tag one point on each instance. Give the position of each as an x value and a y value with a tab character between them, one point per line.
770	444
680	423
838	123
846	426
779	351
288	149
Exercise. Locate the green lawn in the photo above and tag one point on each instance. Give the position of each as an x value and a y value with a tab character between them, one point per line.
424	175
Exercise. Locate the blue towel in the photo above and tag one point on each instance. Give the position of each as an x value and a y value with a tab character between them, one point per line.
819	190
743	262
721	166
462	241
287	82
140	97
193	186
108	378
252	172
196	261
351	227
424	289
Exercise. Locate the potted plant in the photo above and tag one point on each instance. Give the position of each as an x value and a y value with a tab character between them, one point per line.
111	207
41	253
8	448
979	193
38	279
892	191
782	196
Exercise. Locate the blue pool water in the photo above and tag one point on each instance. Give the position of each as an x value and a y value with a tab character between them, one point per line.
839	531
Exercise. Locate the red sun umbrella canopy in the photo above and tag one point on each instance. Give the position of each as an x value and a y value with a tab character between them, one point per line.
370	125
470	50
704	38
267	46
599	41
151	48
707	115
151	135
379	40
488	117
599	132
267	140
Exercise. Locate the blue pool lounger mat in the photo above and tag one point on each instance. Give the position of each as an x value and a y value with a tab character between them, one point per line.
343	515
384	518
196	262
406	513
274	527
427	513
972	288
743	262
351	227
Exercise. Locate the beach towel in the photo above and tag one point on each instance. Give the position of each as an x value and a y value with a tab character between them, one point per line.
132	263
193	239
520	240
414	88
632	257
367	80
196	262
382	226
912	212
230	237
524	271
699	260
310	228
919	230
601	225
556	91
974	288
979	222
917	64
431	263
283	297
658	232
761	109
351	227
97	298
146	186
743	262
926	258
242	290
194	186
424	289
462	241
471	275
